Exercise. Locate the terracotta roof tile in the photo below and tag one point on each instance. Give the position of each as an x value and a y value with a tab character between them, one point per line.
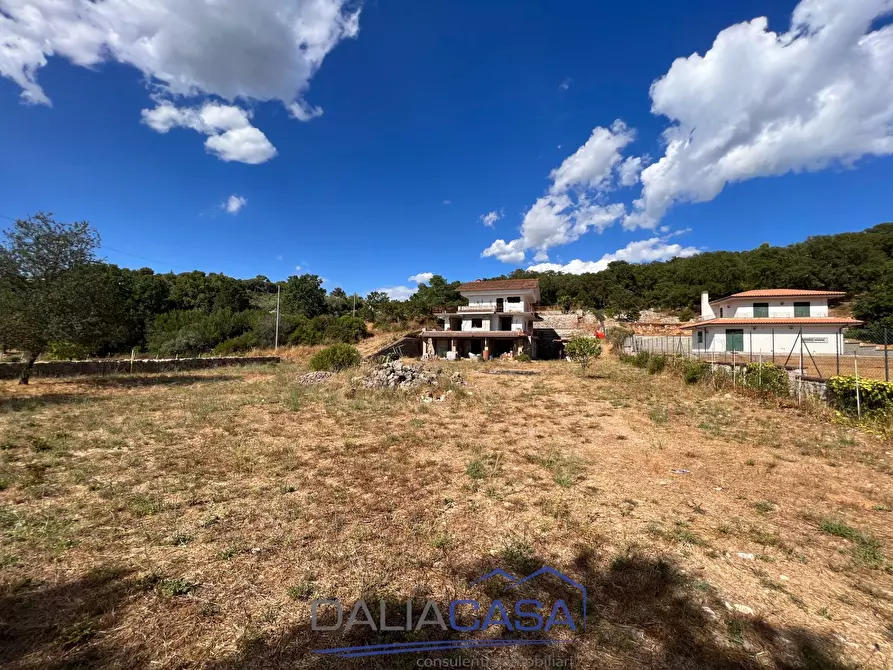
500	285
793	321
782	293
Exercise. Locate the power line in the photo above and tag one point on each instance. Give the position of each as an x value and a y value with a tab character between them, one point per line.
118	251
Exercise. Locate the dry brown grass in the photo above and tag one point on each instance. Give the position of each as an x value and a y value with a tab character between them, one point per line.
187	519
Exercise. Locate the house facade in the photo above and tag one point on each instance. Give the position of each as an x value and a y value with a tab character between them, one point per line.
498	319
763	321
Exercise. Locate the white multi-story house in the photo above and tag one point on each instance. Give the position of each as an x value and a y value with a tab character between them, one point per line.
763	321
498	319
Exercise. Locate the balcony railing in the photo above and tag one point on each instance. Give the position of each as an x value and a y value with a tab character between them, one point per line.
487	308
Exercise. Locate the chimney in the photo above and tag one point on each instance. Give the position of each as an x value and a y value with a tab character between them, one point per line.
706	309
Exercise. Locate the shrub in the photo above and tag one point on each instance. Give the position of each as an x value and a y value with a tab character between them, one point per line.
524	358
66	351
874	395
694	371
319	329
656	364
583	349
335	358
766	378
640	360
236	345
617	336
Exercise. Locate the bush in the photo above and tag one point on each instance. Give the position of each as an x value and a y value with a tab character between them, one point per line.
617	336
656	364
523	358
640	360
582	350
766	378
66	351
694	371
236	345
874	395
335	358
320	329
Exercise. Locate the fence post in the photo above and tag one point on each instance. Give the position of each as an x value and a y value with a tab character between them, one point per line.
800	386
734	371
761	371
773	345
886	358
858	394
837	339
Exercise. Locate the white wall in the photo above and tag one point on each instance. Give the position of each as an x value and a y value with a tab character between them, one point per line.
778	309
824	340
487	300
491	322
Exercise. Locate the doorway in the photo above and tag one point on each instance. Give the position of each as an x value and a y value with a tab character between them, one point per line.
505	323
500	304
734	341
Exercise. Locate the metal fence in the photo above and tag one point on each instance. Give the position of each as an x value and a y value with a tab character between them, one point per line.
865	352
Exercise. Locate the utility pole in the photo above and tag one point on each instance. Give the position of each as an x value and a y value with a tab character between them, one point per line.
278	291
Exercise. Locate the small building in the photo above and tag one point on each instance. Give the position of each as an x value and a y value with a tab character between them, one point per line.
498	319
763	321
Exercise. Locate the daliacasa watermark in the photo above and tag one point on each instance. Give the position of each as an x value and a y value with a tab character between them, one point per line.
460	616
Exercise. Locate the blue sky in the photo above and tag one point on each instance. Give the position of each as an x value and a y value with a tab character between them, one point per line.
371	154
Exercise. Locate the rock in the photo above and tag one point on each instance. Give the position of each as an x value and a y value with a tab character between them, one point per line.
740	609
709	612
312	378
746	557
396	374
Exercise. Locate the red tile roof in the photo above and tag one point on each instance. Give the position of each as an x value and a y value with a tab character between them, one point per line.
793	321
500	285
782	293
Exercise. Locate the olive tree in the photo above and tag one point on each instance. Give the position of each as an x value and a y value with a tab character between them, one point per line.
53	289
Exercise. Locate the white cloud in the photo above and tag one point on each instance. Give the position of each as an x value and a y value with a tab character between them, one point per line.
490	218
629	170
654	249
224	48
762	104
447	202
297	268
422	277
234	204
231	137
507	252
591	166
397	292
567	211
757	104
565	83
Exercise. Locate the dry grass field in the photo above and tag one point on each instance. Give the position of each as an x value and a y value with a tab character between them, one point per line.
187	520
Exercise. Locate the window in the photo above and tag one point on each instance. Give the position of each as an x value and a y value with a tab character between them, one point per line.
477	323
801	310
761	310
515	299
700	337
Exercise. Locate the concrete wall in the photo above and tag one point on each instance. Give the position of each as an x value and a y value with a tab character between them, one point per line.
111	367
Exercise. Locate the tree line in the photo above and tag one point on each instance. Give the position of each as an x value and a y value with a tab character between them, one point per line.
59	299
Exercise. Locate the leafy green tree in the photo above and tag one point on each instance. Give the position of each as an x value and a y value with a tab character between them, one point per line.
53	289
583	350
304	295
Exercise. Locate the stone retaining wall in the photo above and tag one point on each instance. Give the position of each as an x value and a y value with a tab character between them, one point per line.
142	366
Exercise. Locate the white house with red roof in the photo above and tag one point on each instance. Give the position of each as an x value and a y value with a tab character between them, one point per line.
768	320
498	319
